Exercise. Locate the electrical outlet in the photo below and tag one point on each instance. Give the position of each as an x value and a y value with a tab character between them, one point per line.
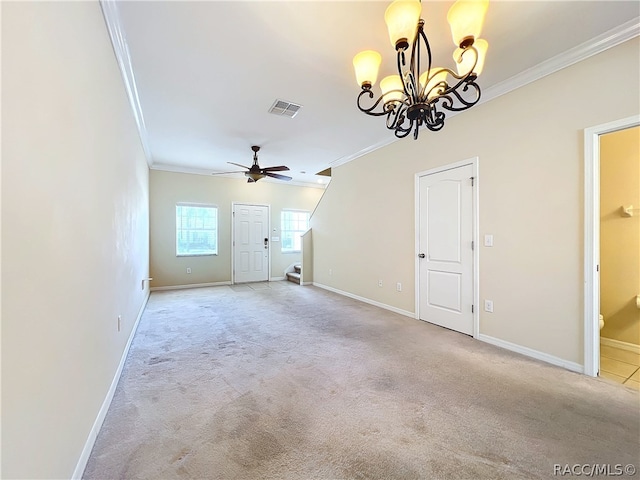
119	321
188	269
488	306
399	287
380	283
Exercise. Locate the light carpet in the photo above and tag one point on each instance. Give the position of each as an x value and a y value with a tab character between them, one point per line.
279	381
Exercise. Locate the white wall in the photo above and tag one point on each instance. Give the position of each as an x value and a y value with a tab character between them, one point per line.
74	231
531	199
169	188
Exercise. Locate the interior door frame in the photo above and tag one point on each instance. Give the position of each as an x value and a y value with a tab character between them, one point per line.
475	163
592	238
233	237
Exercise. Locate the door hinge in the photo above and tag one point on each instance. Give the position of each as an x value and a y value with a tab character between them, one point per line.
472	179
473	245
471	308
597	268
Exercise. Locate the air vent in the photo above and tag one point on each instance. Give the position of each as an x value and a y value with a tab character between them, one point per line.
284	108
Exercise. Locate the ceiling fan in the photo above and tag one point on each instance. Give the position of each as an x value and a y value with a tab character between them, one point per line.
255	172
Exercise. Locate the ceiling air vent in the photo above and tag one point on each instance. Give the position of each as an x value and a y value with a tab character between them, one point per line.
284	108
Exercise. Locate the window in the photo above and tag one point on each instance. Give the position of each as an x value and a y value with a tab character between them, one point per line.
293	224
196	229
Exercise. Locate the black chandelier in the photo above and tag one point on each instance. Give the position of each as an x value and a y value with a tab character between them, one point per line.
412	99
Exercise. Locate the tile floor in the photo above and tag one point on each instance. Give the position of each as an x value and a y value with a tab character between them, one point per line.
621	366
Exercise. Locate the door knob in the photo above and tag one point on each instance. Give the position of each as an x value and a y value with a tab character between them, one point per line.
421	255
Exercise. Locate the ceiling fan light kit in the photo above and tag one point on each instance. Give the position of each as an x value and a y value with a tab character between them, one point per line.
255	172
414	99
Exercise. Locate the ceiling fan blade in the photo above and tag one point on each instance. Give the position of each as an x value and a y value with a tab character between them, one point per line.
238	165
279	177
280	168
224	173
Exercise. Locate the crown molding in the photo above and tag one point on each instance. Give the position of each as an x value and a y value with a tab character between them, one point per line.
230	176
121	50
364	151
599	44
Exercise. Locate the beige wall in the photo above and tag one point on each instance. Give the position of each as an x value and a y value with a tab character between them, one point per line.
620	235
74	231
529	143
168	188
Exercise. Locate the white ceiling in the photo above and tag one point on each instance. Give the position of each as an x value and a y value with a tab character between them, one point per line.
207	72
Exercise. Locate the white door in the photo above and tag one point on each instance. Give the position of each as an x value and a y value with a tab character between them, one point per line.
250	243
445	240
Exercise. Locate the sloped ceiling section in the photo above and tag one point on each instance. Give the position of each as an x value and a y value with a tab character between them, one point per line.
202	76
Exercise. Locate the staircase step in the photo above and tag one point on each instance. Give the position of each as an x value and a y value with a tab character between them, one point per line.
293	277
297	268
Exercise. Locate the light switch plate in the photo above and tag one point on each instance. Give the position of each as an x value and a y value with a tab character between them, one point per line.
488	240
488	306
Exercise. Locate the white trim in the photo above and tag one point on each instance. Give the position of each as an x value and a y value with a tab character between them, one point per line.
276	279
529	352
191	285
475	164
306	283
613	37
365	300
102	413
592	238
121	50
201	171
371	148
629	347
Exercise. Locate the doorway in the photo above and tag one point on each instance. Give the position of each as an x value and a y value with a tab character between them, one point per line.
446	226
251	255
592	241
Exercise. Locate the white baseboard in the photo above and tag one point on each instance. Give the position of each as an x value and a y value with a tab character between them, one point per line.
529	352
306	283
276	279
610	342
366	300
102	413
192	285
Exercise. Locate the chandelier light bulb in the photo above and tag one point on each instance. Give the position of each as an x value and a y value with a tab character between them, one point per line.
392	88
402	18
465	18
438	75
366	65
464	59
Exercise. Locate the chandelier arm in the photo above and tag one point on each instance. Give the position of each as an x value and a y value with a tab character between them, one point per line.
425	39
449	103
396	116
469	76
403	132
435	120
400	63
370	110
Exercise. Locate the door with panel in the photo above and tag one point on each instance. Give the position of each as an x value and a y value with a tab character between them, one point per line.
446	248
250	243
